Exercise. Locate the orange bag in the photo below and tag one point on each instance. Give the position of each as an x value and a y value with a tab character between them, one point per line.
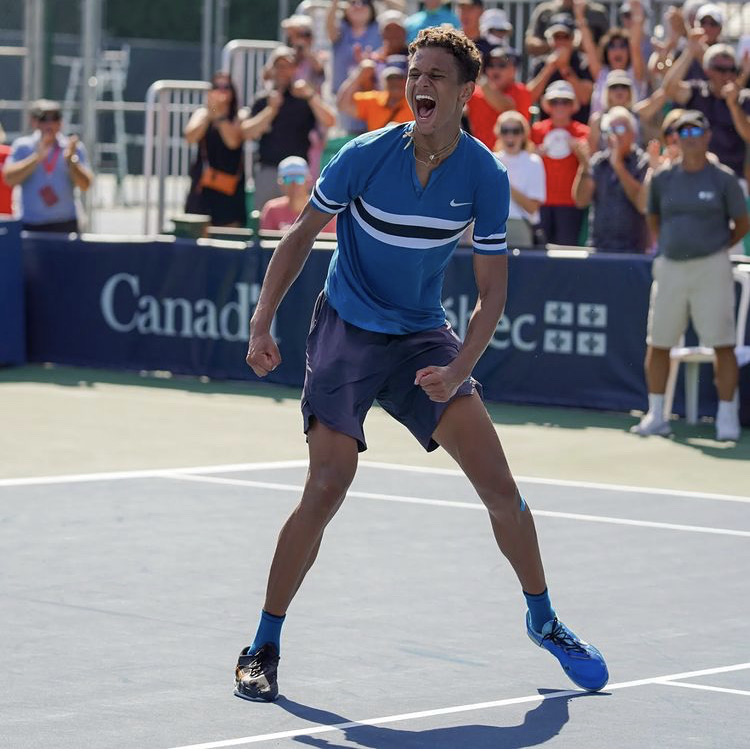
218	180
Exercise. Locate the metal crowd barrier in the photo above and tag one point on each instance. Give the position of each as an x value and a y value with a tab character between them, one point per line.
167	155
244	59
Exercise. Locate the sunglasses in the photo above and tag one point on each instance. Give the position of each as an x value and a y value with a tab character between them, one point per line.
222	87
618	128
559	101
49	117
293	180
725	69
709	22
690	131
511	130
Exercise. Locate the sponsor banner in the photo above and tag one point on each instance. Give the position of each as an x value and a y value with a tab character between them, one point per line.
572	334
12	339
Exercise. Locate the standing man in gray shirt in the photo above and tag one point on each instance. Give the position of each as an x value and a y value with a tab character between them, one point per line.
690	206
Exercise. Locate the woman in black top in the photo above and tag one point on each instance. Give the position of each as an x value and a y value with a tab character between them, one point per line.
216	130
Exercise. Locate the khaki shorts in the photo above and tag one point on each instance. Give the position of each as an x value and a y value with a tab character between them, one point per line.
701	290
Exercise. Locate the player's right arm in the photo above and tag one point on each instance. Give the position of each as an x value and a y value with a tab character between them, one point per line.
263	354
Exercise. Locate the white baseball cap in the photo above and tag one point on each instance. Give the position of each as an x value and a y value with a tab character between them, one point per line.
494	18
710	10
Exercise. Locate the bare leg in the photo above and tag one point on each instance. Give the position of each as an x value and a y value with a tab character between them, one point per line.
468	435
333	462
726	372
657	369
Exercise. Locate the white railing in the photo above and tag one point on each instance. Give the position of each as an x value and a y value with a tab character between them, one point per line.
244	60
167	154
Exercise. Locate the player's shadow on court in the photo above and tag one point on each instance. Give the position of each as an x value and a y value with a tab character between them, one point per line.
539	725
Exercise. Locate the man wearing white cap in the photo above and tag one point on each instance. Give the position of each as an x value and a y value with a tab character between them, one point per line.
719	97
710	19
559	141
564	63
279	213
494	29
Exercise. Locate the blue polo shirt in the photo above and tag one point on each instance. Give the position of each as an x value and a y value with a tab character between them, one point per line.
395	237
35	211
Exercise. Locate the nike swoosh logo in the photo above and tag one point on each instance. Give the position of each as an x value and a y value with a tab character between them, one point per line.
458	204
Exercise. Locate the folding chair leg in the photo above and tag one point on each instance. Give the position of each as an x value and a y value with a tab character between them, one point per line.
674	369
691	392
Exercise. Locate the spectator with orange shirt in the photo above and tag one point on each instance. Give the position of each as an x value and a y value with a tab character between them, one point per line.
279	214
555	136
377	108
498	92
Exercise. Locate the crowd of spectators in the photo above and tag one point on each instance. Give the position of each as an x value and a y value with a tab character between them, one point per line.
580	114
592	100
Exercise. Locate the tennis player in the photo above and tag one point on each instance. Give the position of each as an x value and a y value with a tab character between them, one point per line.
404	195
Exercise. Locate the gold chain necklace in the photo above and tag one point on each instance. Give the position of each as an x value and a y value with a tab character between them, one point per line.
435	156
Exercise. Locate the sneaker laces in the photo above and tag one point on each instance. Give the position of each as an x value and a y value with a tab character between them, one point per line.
560	635
262	659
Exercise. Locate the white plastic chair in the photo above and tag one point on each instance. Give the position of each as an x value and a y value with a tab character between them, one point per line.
694	356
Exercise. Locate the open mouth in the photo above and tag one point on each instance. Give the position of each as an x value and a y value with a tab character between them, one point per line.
425	106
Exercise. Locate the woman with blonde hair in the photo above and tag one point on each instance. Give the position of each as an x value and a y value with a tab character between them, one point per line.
526	175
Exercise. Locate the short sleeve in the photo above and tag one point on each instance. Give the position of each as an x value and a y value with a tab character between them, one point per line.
491	206
340	181
363	101
19	150
735	198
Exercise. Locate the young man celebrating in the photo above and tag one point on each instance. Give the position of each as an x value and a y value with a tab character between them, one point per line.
404	196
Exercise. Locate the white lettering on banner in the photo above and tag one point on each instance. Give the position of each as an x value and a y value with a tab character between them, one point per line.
179	317
520	332
459	321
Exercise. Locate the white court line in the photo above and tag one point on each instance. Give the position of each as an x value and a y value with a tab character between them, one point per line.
564	483
248	467
458	709
706	687
461	505
144	473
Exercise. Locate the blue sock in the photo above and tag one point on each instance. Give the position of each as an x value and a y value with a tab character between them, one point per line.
540	609
269	630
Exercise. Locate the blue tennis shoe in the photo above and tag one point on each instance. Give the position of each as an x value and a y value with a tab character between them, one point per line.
583	663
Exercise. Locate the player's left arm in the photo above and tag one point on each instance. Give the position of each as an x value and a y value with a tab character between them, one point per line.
491	274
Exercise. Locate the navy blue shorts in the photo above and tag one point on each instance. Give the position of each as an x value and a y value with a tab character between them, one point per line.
347	368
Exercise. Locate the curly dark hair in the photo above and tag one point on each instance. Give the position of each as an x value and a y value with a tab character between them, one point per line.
468	57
